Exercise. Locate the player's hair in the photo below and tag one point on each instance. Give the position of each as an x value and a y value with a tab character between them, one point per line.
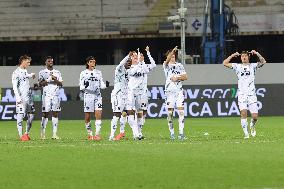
246	52
169	51
88	59
48	57
24	57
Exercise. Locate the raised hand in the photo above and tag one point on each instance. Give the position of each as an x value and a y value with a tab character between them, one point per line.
147	49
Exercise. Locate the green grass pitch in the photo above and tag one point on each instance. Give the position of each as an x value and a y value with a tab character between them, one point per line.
222	159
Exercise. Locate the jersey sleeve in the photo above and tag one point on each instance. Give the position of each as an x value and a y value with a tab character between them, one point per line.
15	82
60	77
40	76
153	63
182	69
81	81
235	66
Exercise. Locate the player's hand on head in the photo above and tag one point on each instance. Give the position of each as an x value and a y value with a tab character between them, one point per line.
253	52
236	54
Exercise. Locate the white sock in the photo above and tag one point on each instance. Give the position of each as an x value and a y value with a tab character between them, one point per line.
43	124
170	123
133	124
54	125
123	121
89	128
98	126
181	122
252	123
20	118
140	126
244	124
29	122
113	126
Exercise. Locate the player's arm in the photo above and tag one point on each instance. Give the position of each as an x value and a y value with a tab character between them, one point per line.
103	84
31	75
82	83
15	81
123	61
58	81
227	63
262	61
169	56
153	63
180	77
41	81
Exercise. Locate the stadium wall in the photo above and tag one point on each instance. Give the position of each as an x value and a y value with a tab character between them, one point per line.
211	91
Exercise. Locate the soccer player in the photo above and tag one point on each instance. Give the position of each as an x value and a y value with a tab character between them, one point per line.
247	99
175	74
119	97
91	82
24	102
50	80
136	91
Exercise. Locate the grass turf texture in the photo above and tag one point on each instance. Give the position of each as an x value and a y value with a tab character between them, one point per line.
222	159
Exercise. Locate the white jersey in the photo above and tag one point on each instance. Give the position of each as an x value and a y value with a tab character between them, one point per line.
121	78
137	75
91	82
21	84
170	71
51	89
246	77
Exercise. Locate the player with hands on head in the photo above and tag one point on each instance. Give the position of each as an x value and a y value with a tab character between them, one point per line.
247	99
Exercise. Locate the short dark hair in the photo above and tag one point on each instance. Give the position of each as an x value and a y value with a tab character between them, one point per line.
24	57
48	57
88	59
169	51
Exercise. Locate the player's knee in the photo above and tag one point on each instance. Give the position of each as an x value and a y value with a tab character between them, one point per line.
243	114
140	114
255	117
124	114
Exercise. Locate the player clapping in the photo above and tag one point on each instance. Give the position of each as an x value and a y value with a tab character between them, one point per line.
51	81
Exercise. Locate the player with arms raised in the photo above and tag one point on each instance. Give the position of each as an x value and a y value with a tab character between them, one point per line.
119	97
136	91
51	81
24	102
175	74
91	82
247	99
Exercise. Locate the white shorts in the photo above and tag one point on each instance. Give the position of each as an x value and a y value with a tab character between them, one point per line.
25	107
51	103
136	101
118	102
175	99
92	103
246	102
